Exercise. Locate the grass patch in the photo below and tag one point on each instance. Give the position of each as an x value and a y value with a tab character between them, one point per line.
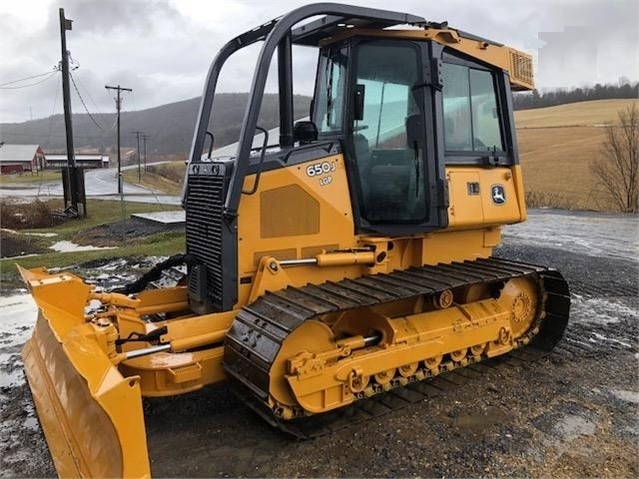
163	244
46	176
165	177
102	212
99	213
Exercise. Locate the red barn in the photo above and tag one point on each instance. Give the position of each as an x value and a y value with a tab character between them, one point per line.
19	158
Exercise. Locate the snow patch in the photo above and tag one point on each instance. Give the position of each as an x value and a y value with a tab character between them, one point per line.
14	232
68	246
17	318
613	236
628	396
43	235
601	337
599	310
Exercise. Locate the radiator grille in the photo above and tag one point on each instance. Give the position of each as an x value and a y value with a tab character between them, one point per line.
204	223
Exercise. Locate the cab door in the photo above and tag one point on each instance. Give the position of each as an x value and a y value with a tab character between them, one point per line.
389	130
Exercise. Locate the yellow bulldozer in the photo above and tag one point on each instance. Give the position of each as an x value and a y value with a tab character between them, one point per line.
350	257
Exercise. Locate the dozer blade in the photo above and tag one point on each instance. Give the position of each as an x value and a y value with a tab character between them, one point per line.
91	415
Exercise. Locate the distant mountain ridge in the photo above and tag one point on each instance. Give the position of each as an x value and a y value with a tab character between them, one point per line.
169	126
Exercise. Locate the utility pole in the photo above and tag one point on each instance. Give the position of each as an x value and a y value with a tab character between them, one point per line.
144	137
118	103
137	134
72	177
66	95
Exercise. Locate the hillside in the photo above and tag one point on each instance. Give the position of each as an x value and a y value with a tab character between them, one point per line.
556	146
170	126
585	113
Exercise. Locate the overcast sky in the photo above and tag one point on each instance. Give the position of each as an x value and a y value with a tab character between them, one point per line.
162	50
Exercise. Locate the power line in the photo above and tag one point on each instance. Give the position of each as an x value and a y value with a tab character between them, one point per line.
84	104
29	85
86	90
55	101
58	135
29	78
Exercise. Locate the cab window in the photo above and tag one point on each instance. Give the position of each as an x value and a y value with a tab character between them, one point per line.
389	134
330	92
471	114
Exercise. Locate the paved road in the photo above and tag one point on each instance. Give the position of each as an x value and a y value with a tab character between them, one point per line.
99	184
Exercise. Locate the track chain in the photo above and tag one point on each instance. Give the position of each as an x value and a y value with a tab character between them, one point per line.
371	408
260	328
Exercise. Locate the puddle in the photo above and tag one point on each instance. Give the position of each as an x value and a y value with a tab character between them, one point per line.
571	426
568	421
11	370
490	417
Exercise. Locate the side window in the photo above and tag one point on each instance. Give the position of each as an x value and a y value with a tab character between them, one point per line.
471	115
330	105
485	112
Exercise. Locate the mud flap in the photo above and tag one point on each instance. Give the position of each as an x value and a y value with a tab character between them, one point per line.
91	415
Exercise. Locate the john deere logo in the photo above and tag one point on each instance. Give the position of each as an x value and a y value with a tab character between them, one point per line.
498	194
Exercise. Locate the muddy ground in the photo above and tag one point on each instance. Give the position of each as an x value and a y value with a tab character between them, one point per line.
15	243
571	414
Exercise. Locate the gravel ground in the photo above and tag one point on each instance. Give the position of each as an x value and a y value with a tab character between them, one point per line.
571	414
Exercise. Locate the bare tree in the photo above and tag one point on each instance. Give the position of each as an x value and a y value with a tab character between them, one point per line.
618	168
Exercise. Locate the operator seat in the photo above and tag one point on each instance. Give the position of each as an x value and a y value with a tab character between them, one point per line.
393	182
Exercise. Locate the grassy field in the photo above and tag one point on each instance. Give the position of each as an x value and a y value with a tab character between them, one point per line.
46	176
587	113
555	155
166	177
555	161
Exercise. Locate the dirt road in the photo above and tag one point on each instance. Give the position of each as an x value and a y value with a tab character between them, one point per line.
571	414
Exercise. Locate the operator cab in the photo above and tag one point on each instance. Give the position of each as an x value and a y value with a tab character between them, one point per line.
382	122
404	109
